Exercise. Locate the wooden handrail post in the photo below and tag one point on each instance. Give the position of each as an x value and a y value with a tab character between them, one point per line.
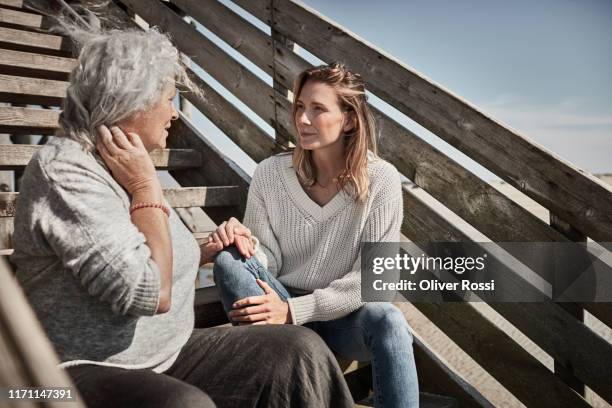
279	40
574	309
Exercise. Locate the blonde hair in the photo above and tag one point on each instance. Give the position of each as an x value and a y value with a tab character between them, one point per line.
350	89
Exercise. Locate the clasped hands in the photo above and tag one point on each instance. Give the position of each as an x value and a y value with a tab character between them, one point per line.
268	308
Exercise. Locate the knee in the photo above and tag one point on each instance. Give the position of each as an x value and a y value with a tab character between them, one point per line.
300	342
227	264
188	397
384	320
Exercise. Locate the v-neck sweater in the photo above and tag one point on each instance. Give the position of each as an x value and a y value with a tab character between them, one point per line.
314	250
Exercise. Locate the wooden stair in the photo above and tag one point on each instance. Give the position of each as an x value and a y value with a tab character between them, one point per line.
34	68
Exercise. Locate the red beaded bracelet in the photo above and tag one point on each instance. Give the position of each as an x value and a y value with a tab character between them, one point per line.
162	207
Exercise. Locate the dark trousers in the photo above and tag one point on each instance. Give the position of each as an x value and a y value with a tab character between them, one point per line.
245	366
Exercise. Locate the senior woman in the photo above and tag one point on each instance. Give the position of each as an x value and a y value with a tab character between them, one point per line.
110	269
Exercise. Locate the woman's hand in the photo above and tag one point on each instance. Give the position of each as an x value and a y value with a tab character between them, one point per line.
128	160
233	232
264	309
209	250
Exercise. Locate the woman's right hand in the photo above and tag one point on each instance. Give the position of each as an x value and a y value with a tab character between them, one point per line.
128	160
233	232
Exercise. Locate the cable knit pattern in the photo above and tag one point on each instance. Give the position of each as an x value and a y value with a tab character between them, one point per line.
313	249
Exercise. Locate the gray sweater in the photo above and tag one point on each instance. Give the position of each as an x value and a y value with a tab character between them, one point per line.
87	271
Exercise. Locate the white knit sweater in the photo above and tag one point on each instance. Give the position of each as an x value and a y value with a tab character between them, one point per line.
313	249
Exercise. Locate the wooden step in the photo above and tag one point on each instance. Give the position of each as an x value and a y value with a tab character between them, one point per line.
33	42
35	65
177	198
34	91
16	157
28	121
20	18
12	3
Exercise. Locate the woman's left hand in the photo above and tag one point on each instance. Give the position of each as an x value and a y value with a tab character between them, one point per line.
263	309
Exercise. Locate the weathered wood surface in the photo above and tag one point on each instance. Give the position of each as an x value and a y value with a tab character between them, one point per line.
553	329
601	310
12	3
208	309
217	169
566	373
516	369
242	130
24	121
10	16
28	357
436	377
35	65
258	48
33	42
17	89
177	198
219	196
16	157
233	29
574	195
231	121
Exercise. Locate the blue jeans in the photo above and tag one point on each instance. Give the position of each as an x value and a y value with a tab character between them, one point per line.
376	332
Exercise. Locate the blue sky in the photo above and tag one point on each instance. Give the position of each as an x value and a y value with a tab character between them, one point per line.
541	67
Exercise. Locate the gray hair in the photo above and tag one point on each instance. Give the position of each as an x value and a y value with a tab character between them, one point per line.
118	73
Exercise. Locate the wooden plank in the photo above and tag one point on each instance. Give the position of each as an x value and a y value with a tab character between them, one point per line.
516	369
21	121
35	65
177	198
208	309
574	195
24	335
436	377
28	41
16	89
245	85
259	48
233	29
16	157
12	3
10	16
553	329
601	310
217	169
230	120
186	197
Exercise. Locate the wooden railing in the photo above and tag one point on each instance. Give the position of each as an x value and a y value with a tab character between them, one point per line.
580	204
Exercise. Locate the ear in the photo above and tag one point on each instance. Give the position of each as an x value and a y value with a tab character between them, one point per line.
350	123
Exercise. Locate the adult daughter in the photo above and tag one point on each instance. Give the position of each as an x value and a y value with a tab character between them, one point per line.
308	211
